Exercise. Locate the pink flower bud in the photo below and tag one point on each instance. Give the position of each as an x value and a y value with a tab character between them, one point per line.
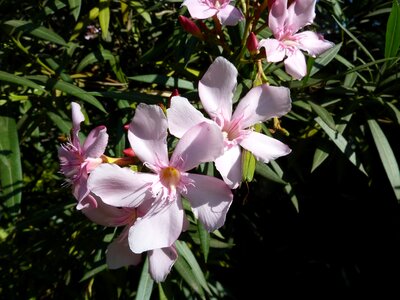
129	152
252	43
126	127
190	27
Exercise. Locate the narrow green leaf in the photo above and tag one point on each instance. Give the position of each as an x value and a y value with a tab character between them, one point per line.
141	11
54	7
248	165
324	59
63	125
266	172
187	275
131	96
10	166
37	31
93	57
392	42
319	157
75	8
204	236
104	17
75	91
189	257
395	110
342	144
387	156
8	77
323	114
145	287
93	272
164	80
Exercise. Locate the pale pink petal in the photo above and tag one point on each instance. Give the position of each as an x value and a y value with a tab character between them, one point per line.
295	65
77	117
161	262
262	103
277	17
216	89
120	187
202	143
96	142
182	116
229	165
79	187
210	199
274	49
120	255
159	230
106	215
88	202
229	15
199	9
148	134
313	43
300	14
263	147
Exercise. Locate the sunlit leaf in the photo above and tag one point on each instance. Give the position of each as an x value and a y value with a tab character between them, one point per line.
164	80
204	237
323	114
187	275
4	76
324	59
387	156
319	157
75	8
265	171
93	272
248	165
141	11
104	17
392	41
145	287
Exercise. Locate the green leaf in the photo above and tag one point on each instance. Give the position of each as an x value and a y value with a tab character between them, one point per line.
323	114
164	80
104	17
8	77
187	275
75	8
93	272
37	31
342	144
204	236
64	126
395	110
324	59
266	172
392	42
319	157
387	156
248	165
141	10
145	287
10	166
76	92
185	252
98	56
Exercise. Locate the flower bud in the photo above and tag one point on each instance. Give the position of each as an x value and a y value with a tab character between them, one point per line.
129	152
252	44
190	27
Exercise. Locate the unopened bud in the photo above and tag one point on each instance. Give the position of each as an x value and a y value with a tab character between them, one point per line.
190	27
252	44
129	152
126	127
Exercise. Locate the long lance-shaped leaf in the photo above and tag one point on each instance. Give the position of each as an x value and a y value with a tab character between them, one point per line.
387	156
204	237
37	31
104	17
342	144
187	275
392	42
10	165
75	8
164	80
8	77
145	287
324	59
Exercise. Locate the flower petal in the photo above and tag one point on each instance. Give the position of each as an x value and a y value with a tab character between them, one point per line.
120	187
277	17
295	65
210	199
300	14
261	103
202	143
263	147
229	165
182	116
120	255
159	230
216	88
148	134
77	118
229	15
96	142
79	187
161	262
106	215
313	43
199	9
274	49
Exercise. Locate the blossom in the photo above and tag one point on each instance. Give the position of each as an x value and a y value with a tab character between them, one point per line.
258	105
284	23
158	194
78	160
202	9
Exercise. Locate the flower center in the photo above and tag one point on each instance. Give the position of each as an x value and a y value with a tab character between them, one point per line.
170	177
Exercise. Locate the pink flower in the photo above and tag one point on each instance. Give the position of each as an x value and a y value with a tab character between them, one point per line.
285	22
202	9
118	253
158	194
260	104
78	160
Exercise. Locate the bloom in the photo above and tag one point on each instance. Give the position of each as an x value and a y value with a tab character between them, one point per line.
258	105
78	160
158	194
284	22
202	9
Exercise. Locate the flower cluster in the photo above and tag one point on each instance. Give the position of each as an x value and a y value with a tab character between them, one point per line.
148	203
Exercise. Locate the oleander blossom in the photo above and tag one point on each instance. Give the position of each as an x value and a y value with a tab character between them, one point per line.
258	105
226	13
158	194
78	160
284	23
